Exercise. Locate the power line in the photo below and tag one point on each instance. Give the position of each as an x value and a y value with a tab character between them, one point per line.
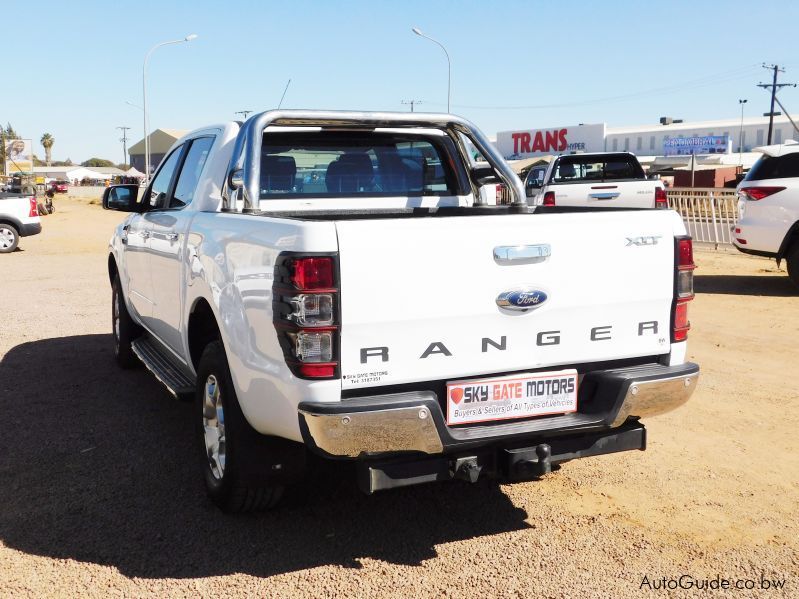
412	103
724	77
243	113
774	86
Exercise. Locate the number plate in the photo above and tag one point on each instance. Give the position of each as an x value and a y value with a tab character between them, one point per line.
509	397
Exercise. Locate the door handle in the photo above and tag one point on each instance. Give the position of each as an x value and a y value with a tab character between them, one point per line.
145	234
604	196
171	236
522	254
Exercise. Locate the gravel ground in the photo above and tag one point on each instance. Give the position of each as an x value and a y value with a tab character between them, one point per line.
101	495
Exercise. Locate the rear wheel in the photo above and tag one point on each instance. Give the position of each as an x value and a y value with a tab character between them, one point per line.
124	328
793	263
9	238
235	457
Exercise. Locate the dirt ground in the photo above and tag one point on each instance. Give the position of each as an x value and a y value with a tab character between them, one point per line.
101	496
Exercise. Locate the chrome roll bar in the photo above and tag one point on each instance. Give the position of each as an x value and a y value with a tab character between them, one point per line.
243	176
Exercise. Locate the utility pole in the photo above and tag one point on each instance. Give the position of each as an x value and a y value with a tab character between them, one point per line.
243	113
124	140
774	86
741	134
412	103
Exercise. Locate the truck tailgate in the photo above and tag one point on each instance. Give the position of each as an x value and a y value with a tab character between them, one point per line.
419	296
609	194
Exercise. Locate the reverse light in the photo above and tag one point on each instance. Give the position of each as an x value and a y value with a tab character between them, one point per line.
313	346
549	199
661	198
758	193
312	309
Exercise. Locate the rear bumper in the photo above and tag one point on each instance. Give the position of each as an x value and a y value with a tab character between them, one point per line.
30	229
382	425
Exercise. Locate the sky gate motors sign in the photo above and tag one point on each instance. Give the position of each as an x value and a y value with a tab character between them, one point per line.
700	144
557	140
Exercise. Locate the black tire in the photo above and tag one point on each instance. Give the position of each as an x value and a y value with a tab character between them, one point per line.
792	259
9	238
243	482
124	329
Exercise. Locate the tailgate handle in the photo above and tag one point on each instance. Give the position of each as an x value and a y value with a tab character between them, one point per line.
604	196
522	254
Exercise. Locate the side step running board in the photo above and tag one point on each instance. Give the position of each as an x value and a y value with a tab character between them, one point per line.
158	362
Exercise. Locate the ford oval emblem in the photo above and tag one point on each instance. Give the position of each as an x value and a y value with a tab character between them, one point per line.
521	299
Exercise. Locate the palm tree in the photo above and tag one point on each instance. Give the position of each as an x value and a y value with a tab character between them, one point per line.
47	143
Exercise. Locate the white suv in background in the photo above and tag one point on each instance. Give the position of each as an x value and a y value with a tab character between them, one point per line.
768	208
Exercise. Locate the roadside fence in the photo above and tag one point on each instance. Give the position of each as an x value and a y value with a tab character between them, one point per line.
709	213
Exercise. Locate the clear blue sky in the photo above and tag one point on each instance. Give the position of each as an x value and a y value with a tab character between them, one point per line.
73	65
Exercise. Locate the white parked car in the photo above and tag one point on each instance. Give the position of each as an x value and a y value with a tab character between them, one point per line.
768	207
595	180
19	217
327	282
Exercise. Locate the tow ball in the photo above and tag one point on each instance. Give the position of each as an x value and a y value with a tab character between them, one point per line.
529	461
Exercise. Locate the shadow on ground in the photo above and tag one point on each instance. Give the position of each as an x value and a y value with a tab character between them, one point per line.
745	285
97	465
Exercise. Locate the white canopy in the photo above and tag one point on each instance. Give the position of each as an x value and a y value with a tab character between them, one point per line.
134	172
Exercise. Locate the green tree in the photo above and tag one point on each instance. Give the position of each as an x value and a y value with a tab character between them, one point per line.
97	162
47	142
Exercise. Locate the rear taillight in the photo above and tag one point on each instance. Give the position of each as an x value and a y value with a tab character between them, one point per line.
34	209
683	288
549	199
758	193
500	192
661	199
305	309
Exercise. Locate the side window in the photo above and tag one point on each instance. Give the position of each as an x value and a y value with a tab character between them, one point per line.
190	173
157	199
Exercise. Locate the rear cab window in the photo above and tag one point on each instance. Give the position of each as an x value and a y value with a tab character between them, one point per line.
353	164
774	167
588	169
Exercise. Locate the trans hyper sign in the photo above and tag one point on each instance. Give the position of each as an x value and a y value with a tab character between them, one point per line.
557	140
541	141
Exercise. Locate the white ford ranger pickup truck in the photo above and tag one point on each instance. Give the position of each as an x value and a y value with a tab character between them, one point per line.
596	180
326	283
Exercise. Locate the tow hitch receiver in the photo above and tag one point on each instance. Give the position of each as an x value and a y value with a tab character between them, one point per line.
519	463
529	462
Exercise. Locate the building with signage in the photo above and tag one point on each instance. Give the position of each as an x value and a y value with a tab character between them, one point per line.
673	139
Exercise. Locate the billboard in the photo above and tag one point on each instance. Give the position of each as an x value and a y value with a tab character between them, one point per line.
527	143
698	144
19	156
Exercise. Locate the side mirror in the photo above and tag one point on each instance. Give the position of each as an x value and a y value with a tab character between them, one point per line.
121	197
484	175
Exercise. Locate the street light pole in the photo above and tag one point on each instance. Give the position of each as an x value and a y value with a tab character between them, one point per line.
188	38
449	63
741	134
